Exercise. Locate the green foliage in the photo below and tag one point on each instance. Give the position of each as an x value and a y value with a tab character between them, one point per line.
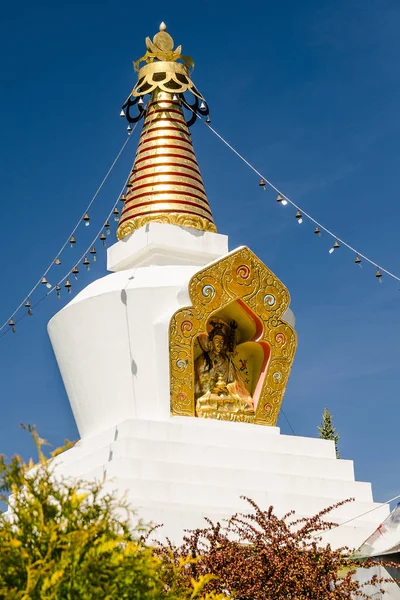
71	540
327	431
65	540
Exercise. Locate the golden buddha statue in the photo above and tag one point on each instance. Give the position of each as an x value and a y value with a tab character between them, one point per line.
220	391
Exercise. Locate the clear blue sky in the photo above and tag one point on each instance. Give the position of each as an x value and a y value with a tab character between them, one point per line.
307	91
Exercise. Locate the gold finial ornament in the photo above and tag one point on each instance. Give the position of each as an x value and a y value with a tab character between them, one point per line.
161	41
165	184
161	49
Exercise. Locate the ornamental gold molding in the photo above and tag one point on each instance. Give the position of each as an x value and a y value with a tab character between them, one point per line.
240	287
171	219
165	76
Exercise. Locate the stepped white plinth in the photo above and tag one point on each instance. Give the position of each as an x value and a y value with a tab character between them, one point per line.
182	469
111	344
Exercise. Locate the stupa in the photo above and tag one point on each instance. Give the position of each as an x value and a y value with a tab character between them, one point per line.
176	363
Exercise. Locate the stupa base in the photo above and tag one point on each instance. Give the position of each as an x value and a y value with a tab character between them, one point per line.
180	470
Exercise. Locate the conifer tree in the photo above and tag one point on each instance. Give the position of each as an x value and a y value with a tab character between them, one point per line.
327	431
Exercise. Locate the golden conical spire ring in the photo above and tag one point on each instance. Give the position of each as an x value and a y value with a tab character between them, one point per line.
165	184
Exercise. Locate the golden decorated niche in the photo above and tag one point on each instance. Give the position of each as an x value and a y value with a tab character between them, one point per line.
231	351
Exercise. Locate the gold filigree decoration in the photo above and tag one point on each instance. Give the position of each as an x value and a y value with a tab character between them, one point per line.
161	49
223	413
241	282
171	219
159	68
170	77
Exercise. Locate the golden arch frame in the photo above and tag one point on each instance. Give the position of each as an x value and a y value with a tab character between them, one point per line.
239	276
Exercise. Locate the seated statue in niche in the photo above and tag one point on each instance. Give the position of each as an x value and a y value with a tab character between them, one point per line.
220	391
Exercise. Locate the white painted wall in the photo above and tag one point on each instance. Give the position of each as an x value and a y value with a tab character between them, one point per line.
111	340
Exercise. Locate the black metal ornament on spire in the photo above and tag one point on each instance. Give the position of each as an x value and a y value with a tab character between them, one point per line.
129	104
164	69
198	107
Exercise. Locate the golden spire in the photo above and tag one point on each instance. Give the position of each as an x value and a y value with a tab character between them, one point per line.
165	184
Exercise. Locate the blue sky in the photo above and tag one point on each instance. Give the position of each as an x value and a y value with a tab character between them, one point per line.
309	93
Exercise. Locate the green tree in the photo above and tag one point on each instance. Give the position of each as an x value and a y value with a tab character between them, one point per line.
327	431
65	540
